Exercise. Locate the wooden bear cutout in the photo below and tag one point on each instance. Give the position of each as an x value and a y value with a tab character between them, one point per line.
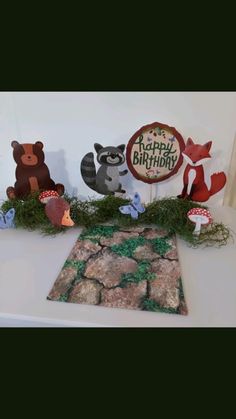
32	174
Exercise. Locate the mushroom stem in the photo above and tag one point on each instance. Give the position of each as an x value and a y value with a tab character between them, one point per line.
198	226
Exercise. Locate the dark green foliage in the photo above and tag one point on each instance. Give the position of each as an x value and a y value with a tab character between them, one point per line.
127	247
170	213
30	212
151	305
141	274
167	213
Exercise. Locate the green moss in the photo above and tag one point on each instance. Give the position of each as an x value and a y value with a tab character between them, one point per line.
95	211
142	274
151	305
167	213
128	247
30	213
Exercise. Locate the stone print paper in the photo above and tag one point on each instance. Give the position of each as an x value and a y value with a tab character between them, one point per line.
132	268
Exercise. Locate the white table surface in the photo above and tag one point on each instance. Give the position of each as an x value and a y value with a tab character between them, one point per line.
30	263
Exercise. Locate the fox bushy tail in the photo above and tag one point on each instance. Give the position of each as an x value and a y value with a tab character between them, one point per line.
218	181
88	170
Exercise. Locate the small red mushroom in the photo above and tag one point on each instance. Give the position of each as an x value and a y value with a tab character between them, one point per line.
199	216
45	196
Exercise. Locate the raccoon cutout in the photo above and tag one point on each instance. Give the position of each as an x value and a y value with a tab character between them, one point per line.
106	180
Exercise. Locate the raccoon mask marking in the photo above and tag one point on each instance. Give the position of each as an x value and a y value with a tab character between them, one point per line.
110	156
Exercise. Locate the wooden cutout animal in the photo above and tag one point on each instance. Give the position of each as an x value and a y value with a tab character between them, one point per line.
195	187
106	181
32	173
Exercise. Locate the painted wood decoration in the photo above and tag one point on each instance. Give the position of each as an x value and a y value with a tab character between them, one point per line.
106	180
154	153
32	174
195	187
57	209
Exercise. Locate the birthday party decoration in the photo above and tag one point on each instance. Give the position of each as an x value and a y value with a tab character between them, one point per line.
154	153
135	268
32	174
134	208
7	219
57	209
106	181
195	187
200	217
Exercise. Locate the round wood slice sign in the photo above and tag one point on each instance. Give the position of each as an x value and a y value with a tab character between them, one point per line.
154	153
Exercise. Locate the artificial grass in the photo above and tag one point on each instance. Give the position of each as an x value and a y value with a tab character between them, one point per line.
167	213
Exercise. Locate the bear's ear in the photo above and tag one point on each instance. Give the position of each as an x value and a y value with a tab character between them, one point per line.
39	144
189	142
121	147
14	144
208	145
98	147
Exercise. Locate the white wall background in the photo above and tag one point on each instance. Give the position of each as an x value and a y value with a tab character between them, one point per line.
70	122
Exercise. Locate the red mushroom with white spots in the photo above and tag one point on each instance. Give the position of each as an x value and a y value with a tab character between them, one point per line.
199	216
45	196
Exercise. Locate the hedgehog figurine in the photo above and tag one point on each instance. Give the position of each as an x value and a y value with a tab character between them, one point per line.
56	209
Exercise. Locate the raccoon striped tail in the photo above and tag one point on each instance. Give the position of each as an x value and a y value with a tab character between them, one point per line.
88	171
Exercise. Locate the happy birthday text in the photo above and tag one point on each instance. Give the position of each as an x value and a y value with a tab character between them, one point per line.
155	154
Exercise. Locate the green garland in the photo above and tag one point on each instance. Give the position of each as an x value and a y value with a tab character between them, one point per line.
167	213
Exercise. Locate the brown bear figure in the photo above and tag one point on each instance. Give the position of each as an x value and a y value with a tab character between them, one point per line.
32	173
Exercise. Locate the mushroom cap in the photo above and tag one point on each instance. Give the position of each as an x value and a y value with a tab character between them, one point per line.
45	196
203	213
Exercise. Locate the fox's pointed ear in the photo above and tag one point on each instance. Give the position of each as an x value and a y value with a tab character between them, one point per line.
208	145
189	142
121	147
98	147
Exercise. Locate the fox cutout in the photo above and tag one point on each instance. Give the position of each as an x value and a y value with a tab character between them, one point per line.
195	187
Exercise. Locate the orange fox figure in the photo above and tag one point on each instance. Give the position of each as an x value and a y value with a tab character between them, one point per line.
195	187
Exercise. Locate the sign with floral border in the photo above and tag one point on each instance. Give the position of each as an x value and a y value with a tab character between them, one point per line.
154	153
